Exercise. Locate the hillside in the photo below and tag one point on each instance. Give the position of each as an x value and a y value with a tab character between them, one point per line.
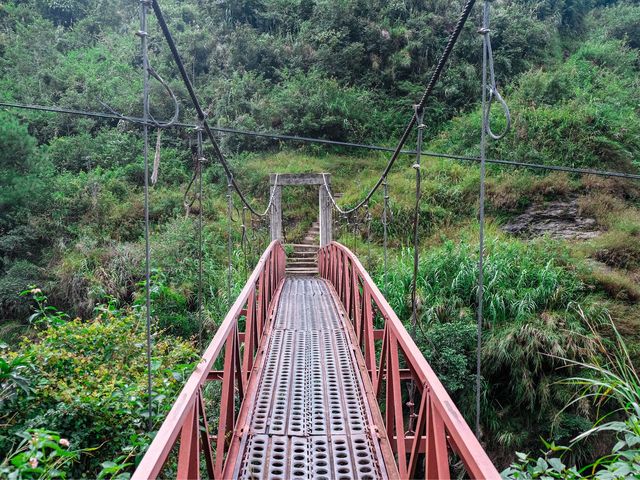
563	253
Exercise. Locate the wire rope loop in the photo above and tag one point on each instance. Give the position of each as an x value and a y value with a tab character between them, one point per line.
493	95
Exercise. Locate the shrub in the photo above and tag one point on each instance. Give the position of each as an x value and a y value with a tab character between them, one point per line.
577	115
17	277
90	384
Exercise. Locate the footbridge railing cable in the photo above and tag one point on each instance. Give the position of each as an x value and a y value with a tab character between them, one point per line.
393	363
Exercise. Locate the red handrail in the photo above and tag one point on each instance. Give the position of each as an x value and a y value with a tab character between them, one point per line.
422	442
188	418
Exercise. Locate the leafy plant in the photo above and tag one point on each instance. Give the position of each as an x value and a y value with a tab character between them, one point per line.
614	386
14	376
44	314
42	454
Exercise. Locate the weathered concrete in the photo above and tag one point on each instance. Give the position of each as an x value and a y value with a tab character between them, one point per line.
325	209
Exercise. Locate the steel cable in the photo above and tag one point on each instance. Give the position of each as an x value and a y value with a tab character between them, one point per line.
385	226
200	165
145	114
489	92
453	38
463	158
229	239
201	115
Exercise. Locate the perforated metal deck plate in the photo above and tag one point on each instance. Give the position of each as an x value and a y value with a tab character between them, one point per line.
309	418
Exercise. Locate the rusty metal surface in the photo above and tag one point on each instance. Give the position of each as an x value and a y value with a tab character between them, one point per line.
310	418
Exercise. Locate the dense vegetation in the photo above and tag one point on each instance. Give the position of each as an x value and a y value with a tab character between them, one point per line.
71	202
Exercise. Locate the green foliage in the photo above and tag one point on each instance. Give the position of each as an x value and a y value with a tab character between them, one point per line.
615	387
579	114
621	21
16	145
44	314
531	316
14	377
41	454
17	277
89	384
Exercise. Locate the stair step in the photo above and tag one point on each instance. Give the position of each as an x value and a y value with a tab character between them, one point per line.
304	246
302	271
302	265
302	254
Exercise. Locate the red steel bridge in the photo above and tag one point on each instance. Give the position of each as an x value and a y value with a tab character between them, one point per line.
313	377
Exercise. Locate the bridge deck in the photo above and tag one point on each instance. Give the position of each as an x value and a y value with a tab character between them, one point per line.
310	417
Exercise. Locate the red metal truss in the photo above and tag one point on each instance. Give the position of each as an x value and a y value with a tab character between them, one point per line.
397	380
188	418
423	442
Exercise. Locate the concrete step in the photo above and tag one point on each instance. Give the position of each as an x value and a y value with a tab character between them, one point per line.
302	271
301	264
304	246
303	254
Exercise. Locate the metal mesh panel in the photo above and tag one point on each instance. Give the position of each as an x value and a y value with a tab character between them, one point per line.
309	418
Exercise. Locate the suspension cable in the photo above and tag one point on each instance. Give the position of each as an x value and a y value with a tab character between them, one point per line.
202	117
489	92
244	241
416	221
385	226
463	158
199	167
229	239
142	33
416	252
421	104
368	219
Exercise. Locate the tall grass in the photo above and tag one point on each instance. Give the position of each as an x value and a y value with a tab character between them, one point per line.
610	382
535	305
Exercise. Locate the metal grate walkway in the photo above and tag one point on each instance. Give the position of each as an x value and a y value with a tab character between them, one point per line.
310	418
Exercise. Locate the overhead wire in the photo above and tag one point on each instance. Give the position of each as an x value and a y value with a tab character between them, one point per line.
276	136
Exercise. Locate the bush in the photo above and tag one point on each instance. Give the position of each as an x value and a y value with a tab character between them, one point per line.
621	21
17	277
531	316
90	384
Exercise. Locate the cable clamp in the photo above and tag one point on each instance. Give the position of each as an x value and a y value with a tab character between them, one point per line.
484	31
416	166
141	33
422	126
